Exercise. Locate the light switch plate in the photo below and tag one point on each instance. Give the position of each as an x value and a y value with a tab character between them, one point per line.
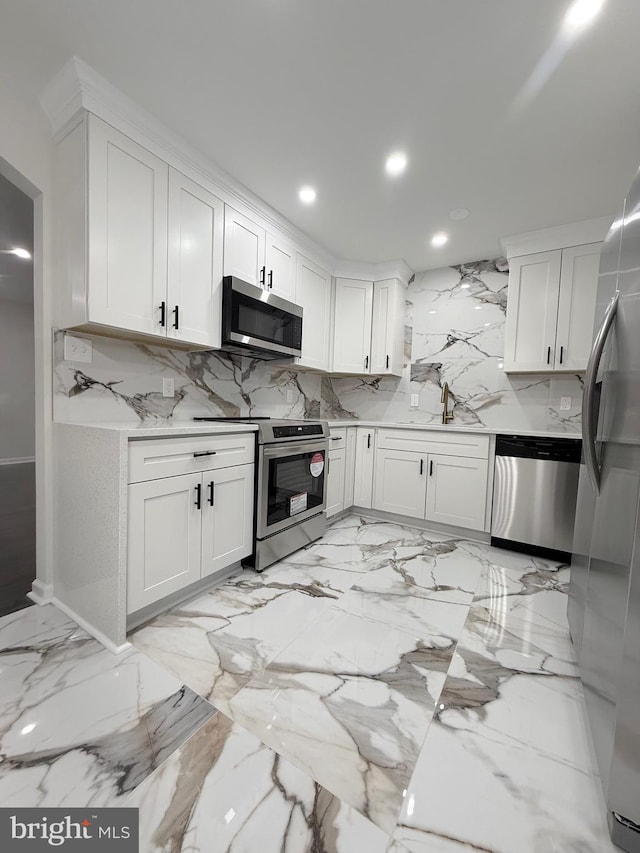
78	349
414	401
168	387
565	404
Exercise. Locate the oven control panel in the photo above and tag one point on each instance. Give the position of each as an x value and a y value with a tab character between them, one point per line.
297	430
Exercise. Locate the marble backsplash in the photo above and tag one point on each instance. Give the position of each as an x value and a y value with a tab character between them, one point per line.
454	333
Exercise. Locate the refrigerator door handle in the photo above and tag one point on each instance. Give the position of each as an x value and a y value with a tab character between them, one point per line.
589	424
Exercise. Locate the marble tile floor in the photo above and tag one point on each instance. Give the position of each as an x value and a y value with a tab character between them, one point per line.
385	689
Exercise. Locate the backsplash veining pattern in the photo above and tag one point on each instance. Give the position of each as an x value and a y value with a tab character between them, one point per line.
454	333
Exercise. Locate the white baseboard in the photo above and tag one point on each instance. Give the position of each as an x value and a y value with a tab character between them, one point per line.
421	524
90	629
41	593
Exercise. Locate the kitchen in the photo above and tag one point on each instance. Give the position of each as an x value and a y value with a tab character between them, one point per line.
391	351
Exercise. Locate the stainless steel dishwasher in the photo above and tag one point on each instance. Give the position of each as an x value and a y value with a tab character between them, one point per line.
534	495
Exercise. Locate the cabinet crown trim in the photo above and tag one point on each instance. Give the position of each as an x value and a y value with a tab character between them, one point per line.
559	237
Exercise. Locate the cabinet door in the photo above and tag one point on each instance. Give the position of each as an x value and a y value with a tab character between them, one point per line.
194	284
387	328
280	262
352	326
127	238
363	476
335	484
227	517
457	491
350	467
577	305
532	310
400	482
313	293
164	538
244	242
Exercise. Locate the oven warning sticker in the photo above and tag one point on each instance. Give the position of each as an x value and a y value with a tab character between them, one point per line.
317	464
297	503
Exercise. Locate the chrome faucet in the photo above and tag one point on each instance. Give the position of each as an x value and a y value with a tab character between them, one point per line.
446	417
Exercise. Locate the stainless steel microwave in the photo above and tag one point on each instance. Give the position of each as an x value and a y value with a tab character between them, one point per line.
257	322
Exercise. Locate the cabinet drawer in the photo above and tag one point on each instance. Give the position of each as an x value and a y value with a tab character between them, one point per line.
441	442
338	438
170	457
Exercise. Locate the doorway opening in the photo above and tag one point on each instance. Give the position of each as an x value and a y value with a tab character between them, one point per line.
17	400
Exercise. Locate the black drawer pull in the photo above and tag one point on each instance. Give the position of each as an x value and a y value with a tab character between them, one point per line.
431	467
198	495
175	317
369	440
163	313
336	438
548	355
211	487
561	351
270	279
387	362
263	271
421	466
205	453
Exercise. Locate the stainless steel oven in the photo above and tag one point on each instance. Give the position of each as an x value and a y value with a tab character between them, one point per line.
291	486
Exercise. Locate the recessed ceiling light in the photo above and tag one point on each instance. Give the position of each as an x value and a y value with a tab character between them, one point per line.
439	239
21	253
307	195
465	286
433	312
582	12
459	213
396	163
478	307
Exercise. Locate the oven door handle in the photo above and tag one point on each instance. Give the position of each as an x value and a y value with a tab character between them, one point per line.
271	451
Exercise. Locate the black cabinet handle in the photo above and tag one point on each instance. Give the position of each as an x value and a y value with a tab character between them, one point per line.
431	467
163	313
263	271
387	362
211	487
270	279
198	495
336	438
421	466
369	440
205	453
175	317
366	362
548	355
561	351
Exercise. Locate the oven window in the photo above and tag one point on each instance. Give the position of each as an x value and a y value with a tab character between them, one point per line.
260	320
296	484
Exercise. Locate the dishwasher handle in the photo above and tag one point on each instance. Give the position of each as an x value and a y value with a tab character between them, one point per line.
551	449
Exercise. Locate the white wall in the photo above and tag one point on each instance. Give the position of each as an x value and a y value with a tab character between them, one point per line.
17	392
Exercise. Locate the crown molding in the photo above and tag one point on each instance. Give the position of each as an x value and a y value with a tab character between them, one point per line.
365	271
77	87
560	237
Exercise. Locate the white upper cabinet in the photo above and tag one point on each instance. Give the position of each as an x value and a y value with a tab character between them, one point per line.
139	245
258	256
387	330
313	293
368	327
244	243
577	305
550	310
352	326
193	311
127	235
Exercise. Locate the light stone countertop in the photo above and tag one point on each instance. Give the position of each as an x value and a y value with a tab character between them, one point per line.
128	430
471	428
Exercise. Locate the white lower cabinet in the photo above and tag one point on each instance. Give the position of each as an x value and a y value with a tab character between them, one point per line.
363	474
185	528
456	491
350	466
400	482
335	485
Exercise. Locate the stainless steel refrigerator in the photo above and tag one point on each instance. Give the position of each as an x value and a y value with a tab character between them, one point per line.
604	599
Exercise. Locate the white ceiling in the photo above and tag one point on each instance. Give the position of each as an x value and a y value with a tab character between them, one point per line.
282	93
16	231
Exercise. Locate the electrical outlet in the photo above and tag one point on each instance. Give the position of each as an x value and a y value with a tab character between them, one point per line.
565	404
414	401
168	387
289	395
78	349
